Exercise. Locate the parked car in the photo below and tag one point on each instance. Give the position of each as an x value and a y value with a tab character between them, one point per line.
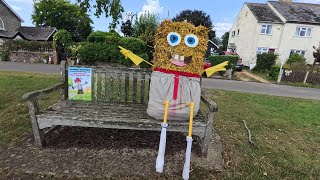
239	65
206	64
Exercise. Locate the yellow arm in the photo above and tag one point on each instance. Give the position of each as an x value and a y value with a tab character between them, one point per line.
134	58
214	69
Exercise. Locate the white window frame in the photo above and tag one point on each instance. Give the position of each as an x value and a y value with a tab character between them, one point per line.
307	31
262	50
300	52
233	33
264	29
2	23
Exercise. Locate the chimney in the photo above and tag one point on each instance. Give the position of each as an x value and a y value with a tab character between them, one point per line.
285	1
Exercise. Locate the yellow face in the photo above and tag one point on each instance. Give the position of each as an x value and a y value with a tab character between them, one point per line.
180	46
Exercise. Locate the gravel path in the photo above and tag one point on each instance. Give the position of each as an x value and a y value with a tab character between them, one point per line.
96	153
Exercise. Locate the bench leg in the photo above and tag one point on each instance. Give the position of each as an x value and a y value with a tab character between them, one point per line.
38	133
205	141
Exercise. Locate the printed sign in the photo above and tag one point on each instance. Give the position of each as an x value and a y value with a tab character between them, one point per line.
79	82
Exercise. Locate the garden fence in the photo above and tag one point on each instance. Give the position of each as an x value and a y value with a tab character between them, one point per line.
300	77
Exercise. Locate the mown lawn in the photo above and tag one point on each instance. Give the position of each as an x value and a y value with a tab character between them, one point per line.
286	131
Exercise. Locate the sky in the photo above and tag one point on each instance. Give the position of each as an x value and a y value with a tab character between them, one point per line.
222	12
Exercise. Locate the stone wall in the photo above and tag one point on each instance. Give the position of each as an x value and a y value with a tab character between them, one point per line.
29	57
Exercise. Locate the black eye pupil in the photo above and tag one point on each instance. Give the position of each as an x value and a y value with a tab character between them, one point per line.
174	38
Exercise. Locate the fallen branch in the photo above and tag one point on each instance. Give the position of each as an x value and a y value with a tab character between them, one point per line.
249	132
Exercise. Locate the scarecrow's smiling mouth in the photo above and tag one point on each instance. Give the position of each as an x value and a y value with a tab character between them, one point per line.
179	60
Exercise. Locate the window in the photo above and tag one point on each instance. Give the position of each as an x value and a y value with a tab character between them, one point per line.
300	52
1	25
303	32
266	29
262	50
233	33
238	32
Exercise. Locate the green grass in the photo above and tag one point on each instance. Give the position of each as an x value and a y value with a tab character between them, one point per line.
14	118
286	131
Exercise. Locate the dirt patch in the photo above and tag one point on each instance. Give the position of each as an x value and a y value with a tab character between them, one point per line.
97	153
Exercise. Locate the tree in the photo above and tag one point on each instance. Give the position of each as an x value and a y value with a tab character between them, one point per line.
63	15
145	28
111	8
126	28
224	43
197	18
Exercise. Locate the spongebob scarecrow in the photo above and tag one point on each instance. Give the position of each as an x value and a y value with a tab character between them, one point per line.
175	81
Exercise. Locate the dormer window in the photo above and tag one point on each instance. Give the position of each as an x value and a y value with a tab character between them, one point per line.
1	25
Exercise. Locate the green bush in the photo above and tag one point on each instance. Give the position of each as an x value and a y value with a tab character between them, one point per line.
62	38
99	36
296	58
274	72
215	60
33	46
265	62
4	55
108	51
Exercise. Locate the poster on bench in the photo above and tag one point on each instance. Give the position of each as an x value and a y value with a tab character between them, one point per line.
79	82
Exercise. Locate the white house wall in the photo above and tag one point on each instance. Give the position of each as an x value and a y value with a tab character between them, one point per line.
245	42
291	42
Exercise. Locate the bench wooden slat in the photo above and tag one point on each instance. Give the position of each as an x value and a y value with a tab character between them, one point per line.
96	86
126	89
142	87
111	86
119	74
134	90
103	86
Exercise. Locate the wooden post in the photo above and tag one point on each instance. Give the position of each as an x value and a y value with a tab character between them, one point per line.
280	75
306	77
64	79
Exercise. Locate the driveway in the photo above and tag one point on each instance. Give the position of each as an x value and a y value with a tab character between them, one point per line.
250	87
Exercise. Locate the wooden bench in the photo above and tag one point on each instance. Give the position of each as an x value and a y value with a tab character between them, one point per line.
120	99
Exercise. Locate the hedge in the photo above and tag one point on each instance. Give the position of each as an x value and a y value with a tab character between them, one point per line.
100	36
108	51
265	61
274	72
215	60
33	46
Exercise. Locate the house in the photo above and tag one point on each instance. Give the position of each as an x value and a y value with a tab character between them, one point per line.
282	27
10	27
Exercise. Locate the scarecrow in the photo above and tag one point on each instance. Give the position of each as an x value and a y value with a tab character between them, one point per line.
175	81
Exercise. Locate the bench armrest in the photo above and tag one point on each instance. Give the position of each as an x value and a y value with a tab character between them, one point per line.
34	95
212	106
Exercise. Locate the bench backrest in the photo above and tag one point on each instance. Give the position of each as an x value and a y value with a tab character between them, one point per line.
118	85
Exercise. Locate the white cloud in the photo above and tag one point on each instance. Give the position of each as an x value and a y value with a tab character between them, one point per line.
152	6
21	1
221	28
309	1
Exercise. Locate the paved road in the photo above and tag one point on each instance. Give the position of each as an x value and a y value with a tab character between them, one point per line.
261	88
250	87
27	67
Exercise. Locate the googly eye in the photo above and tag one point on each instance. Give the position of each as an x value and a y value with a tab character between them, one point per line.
191	40
174	39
